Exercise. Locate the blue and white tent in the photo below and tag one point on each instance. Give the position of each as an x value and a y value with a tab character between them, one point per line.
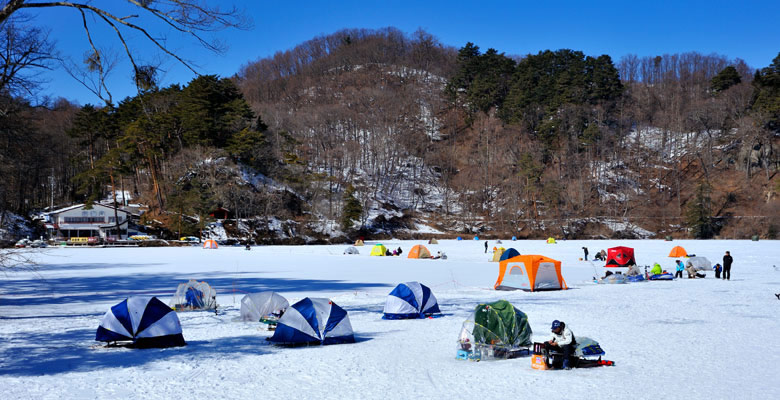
313	321
410	300
144	321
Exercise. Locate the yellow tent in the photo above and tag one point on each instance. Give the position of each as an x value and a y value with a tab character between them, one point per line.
497	254
378	250
550	240
359	242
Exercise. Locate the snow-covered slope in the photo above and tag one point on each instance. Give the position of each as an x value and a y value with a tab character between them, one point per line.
694	339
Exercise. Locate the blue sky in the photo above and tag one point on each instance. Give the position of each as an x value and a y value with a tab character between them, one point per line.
746	30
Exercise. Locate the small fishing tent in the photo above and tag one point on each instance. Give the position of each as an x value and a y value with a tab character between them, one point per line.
497	254
620	257
550	240
509	253
378	250
700	263
359	242
410	300
143	321
263	306
678	251
210	244
419	251
313	321
497	330
530	273
194	295
351	250
433	241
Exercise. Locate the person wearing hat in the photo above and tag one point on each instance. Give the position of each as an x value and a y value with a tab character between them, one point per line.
562	341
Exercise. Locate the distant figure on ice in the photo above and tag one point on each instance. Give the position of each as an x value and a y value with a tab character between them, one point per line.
248	247
717	269
585	250
399	251
727	260
395	252
600	256
680	268
486	246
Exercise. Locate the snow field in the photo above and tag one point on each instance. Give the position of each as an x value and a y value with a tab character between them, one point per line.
702	338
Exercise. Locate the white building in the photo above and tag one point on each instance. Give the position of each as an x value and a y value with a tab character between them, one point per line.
88	225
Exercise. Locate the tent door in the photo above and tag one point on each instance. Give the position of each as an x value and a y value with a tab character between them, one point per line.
546	277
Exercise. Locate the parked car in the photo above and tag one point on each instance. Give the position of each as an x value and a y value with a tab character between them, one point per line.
39	243
191	239
23	243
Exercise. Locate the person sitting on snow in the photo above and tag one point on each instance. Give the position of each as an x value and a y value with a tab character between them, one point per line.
656	269
562	341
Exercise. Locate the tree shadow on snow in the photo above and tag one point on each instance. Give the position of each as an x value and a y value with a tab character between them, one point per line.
79	289
71	351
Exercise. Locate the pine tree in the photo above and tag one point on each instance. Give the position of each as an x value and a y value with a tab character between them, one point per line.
699	213
352	209
725	79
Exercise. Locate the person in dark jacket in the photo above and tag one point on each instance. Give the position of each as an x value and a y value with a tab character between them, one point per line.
486	246
727	260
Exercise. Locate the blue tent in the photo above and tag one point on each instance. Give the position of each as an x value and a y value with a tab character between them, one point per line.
509	253
460	238
410	300
313	321
144	321
476	237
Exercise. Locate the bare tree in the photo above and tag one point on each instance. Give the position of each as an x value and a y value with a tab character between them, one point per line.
22	50
193	18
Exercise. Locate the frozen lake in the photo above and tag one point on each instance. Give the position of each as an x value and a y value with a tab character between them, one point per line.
702	338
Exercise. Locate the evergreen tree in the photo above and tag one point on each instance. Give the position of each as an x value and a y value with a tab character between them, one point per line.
766	94
352	209
698	213
725	79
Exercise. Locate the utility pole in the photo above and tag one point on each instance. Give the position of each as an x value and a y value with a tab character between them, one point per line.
51	183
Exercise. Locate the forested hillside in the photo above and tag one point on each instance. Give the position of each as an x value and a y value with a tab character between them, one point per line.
377	132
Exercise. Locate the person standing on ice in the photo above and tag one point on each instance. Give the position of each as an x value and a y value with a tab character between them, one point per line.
562	341
727	260
585	250
486	246
680	269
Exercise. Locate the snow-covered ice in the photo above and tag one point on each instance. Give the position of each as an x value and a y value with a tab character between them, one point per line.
693	339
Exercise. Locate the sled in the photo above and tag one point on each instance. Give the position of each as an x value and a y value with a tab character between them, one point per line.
543	359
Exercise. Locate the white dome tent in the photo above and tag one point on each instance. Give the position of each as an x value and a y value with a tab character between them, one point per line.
261	306
194	295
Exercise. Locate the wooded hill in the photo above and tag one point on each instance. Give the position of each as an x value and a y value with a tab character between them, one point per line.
371	132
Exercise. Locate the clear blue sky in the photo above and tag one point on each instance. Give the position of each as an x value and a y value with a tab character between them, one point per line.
748	30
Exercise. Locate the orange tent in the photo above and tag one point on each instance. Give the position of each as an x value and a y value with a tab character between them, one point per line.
419	251
210	244
530	273
678	251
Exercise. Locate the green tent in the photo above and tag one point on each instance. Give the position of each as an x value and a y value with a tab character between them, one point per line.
501	324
